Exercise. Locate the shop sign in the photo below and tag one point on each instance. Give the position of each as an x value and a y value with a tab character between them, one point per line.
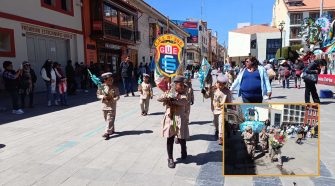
326	79
45	31
111	46
168	54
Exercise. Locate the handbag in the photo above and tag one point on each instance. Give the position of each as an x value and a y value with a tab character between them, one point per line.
298	72
310	78
271	73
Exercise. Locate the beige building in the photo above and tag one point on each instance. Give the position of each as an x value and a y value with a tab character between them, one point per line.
293	12
37	30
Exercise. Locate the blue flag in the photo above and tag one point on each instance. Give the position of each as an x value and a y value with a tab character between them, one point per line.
203	72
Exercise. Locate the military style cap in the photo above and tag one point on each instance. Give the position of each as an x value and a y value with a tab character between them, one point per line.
222	79
107	75
146	75
179	79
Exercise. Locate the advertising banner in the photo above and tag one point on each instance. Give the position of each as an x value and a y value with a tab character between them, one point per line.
191	27
326	79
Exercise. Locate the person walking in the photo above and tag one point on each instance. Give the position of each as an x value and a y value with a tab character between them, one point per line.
252	82
300	133
26	86
285	72
49	77
61	84
78	76
127	74
109	95
310	76
10	78
263	139
146	94
298	68
250	141
175	119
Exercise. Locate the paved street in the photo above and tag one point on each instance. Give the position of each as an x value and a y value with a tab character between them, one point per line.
64	146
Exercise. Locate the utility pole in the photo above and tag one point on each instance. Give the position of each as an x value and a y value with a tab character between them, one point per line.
321	8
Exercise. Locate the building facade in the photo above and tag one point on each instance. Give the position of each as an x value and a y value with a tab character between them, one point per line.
234	114
311	115
293	12
41	30
294	114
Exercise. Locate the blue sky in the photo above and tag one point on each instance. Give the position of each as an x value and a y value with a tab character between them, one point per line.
221	15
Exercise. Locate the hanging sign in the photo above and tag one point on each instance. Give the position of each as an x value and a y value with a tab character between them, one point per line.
168	54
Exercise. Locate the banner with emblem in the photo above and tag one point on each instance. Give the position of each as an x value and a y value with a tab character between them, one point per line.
168	57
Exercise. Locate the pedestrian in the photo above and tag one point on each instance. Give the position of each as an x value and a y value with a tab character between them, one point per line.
10	78
109	95
263	139
285	72
26	86
84	78
70	75
310	76
222	95
300	133
49	77
298	68
252	82
61	84
270	71
250	141
175	121
276	151
78	76
127	74
146	94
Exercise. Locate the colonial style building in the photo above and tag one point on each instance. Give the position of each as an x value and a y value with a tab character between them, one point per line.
37	30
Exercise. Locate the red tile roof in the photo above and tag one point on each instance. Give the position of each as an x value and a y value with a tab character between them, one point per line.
312	5
255	29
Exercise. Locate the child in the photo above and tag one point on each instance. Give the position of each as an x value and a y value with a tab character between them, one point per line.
221	95
263	139
146	94
175	120
250	141
109	95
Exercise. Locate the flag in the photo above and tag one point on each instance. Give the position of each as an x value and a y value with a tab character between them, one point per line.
203	72
160	80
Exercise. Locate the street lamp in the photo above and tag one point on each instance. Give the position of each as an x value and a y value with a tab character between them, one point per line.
281	28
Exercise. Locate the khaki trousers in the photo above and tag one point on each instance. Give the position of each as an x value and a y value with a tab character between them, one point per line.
109	116
218	123
145	105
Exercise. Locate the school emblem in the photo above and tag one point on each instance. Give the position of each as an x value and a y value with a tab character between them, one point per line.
168	54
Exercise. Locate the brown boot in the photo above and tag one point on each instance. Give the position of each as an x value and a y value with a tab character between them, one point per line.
220	141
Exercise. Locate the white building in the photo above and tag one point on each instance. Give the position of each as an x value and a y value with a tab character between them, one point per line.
36	30
261	41
293	12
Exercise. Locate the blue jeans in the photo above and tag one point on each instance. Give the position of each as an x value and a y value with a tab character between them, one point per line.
50	96
287	80
127	84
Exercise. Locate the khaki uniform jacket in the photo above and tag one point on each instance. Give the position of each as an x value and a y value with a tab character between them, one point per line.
210	94
249	139
190	98
112	93
218	101
178	108
145	90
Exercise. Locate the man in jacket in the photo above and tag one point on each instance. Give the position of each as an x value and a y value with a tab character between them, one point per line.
127	74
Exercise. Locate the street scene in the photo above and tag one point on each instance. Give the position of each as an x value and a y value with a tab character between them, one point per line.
269	140
147	92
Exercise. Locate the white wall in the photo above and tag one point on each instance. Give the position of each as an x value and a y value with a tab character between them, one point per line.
238	44
263	113
32	9
144	47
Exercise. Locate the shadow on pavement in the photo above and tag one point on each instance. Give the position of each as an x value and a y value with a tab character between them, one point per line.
156	113
205	137
200	122
326	102
286	159
236	159
130	133
2	146
202	158
279	97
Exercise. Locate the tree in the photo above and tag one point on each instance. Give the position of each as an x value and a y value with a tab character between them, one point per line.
289	52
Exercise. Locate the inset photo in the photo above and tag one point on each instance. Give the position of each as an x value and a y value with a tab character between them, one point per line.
271	139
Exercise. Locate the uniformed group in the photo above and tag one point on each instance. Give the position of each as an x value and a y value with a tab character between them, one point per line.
177	100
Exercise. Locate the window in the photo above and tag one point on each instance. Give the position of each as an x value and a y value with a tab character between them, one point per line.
110	14
296	18
63	6
7	45
272	45
297	107
314	113
126	21
190	55
314	15
295	31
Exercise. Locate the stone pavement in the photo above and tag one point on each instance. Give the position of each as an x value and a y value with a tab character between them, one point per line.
64	147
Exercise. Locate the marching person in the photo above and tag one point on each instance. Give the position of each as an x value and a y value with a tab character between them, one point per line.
263	139
61	84
146	94
109	95
221	95
190	96
175	119
250	141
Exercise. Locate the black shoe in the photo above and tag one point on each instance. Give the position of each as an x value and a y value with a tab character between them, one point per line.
132	94
171	164
176	140
184	155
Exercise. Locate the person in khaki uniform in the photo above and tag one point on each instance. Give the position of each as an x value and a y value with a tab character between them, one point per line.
190	98
221	95
146	94
250	141
109	95
263	139
175	119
